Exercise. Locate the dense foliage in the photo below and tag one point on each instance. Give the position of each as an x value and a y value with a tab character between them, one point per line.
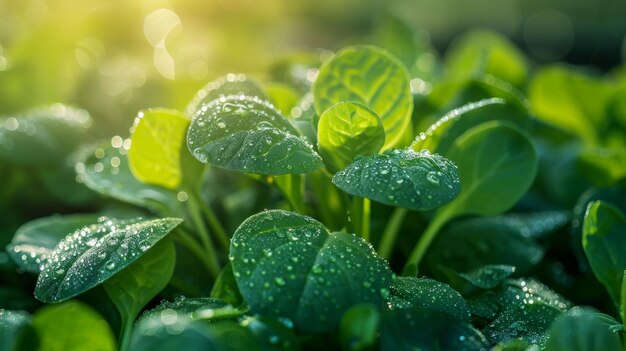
355	202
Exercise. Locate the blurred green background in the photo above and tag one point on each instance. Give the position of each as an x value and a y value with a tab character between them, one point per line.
116	57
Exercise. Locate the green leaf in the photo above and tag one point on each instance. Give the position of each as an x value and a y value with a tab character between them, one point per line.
249	135
492	158
169	331
194	308
230	84
225	287
359	327
72	326
347	130
95	253
132	288
408	292
485	277
581	330
157	144
289	265
528	322
282	96
42	136
16	333
481	52
603	167
272	334
571	100
372	77
604	242
418	328
404	178
35	240
104	169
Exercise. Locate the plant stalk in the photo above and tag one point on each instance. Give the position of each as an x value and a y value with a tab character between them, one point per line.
126	332
203	234
441	217
391	232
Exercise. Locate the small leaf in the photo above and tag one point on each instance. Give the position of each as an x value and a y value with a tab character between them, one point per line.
405	178
581	330
372	77
225	287
16	333
418	328
408	292
157	140
194	308
528	322
604	241
359	327
485	277
492	158
35	240
95	253
347	130
71	326
104	169
42	136
289	265
230	84
249	135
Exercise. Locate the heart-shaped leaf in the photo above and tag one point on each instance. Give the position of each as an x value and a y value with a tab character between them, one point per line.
104	169
347	130
42	135
95	253
230	84
249	135
372	77
35	240
404	178
408	292
158	146
289	265
604	241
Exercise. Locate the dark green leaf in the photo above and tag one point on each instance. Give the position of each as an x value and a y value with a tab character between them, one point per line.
529	322
72	326
347	130
603	167
249	135
35	240
272	334
404	178
16	333
359	327
289	265
581	330
225	287
485	277
193	308
95	253
372	77
604	242
230	84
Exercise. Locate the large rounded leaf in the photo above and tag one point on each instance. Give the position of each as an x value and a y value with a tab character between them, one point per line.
95	253
35	240
230	84
403	178
42	135
372	77
497	164
157	142
249	135
291	266
347	130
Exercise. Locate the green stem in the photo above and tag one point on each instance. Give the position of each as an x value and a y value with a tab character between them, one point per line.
441	217
360	212
292	187
203	233
391	232
126	332
191	244
214	223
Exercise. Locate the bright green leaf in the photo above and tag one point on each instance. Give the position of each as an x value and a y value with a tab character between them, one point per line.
72	326
347	130
95	253
372	77
604	241
225	287
249	135
603	167
287	265
230	84
404	178
284	97
35	240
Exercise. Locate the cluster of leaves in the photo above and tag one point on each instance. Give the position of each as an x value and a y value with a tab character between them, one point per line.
374	173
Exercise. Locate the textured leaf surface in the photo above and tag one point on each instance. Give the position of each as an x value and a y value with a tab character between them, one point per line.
230	84
95	253
346	130
289	265
404	178
249	135
372	77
